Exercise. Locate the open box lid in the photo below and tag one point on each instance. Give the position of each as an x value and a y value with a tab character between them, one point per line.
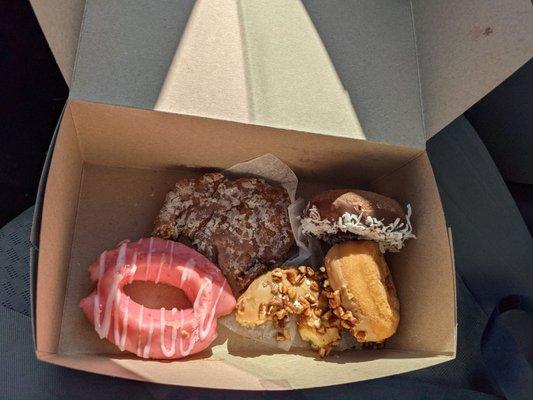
409	67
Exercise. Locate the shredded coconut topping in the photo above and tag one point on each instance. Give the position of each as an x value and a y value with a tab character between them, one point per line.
390	237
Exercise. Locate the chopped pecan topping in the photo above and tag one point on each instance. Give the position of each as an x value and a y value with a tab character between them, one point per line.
277	275
262	311
335	300
360	336
292	293
283	335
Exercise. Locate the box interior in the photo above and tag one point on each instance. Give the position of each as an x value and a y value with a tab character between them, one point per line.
110	171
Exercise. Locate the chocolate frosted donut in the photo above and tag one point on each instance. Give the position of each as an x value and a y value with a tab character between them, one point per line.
346	214
241	225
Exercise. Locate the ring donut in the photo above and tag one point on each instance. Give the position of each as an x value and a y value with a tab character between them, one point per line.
152	333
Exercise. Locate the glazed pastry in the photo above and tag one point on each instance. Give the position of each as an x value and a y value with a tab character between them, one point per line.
157	333
335	216
361	284
277	296
241	225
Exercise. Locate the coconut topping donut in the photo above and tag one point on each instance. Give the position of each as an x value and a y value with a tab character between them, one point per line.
346	214
241	225
157	333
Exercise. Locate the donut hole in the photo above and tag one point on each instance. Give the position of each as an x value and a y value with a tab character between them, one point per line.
157	295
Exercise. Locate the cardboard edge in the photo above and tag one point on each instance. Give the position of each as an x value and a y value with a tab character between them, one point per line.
417	151
416	156
89	365
423	154
78	45
67	277
452	253
60	22
420	98
109	367
36	224
38	217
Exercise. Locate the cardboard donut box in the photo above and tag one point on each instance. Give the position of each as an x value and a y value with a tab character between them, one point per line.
113	158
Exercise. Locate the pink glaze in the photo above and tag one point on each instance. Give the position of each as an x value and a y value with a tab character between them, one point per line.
151	333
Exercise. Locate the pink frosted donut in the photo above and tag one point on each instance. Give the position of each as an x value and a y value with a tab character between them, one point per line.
152	333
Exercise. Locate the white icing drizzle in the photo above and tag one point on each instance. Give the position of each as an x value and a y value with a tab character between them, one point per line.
120	339
159	270
390	237
171	264
204	329
125	241
139	326
148	345
96	308
103	329
167	352
205	283
149	259
192	339
186	270
133	266
101	265
115	318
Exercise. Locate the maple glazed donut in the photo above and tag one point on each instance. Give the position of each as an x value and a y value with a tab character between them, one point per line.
157	333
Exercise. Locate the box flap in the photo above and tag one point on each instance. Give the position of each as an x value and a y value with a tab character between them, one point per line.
292	81
207	73
371	44
260	62
60	21
465	49
126	50
159	58
221	66
36	224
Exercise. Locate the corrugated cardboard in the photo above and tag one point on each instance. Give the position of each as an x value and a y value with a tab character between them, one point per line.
110	171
